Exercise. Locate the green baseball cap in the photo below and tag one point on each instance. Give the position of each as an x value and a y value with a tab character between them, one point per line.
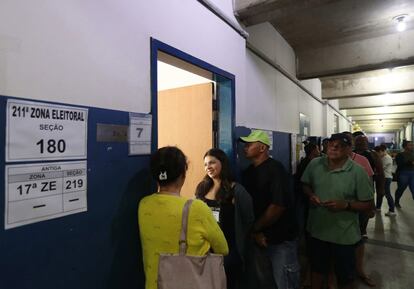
257	135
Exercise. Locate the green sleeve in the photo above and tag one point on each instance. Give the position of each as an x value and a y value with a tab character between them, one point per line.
364	186
213	234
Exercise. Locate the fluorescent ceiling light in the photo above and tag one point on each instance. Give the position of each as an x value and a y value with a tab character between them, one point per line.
401	26
401	22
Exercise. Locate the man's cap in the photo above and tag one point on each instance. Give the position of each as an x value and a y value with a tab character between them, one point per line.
357	133
257	135
343	137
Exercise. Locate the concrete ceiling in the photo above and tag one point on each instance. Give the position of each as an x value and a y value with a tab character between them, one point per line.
354	48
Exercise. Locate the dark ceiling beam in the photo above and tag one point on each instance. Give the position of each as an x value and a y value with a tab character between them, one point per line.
390	120
326	72
375	117
377	124
384	113
395	81
246	9
374	106
382	131
345	96
357	56
252	12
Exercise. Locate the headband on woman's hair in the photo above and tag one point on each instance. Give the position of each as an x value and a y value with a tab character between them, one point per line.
163	172
163	176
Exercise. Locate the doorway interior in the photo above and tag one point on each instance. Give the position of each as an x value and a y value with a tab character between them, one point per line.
192	107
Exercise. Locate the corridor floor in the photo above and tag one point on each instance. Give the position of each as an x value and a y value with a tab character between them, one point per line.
389	257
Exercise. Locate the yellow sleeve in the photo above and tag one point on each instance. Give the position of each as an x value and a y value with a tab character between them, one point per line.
213	234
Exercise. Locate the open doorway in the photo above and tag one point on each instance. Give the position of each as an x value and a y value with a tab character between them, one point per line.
185	113
192	108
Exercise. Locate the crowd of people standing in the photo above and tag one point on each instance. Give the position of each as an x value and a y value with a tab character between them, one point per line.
258	223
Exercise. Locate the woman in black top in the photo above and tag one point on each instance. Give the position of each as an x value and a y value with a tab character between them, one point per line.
232	207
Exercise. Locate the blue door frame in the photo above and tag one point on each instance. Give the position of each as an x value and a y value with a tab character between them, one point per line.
225	90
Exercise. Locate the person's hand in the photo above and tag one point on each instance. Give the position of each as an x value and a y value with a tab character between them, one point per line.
314	200
335	206
260	239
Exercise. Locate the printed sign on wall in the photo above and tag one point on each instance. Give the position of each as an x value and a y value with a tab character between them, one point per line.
38	192
139	133
41	131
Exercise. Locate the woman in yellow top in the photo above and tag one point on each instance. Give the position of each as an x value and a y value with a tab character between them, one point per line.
159	216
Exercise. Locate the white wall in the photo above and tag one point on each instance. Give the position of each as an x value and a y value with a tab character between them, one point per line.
330	120
314	110
402	135
344	124
266	38
408	131
277	100
97	52
314	86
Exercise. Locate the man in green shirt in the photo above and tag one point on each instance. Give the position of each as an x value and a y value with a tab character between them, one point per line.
337	189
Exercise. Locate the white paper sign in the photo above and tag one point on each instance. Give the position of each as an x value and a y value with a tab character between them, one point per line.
38	192
41	131
270	134
139	133
293	149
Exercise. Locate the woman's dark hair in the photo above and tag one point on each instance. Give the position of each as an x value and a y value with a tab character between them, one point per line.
405	143
380	148
225	194
168	164
309	148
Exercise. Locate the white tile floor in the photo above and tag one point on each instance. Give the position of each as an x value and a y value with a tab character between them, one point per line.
389	258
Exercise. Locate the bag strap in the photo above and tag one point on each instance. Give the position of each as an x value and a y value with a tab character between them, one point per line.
184	224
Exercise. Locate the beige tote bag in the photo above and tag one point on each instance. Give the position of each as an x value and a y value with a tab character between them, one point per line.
181	271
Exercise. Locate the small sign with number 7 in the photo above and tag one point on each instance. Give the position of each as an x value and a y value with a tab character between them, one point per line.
140	133
139	130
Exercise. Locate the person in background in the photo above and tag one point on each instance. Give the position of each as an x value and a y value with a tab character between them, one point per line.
159	216
232	207
325	146
311	151
405	171
387	165
275	229
361	147
333	216
363	217
360	159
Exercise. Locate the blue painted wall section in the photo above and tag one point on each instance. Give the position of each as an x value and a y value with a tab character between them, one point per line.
99	248
282	148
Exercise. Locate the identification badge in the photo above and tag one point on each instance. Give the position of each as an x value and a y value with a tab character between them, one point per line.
216	214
